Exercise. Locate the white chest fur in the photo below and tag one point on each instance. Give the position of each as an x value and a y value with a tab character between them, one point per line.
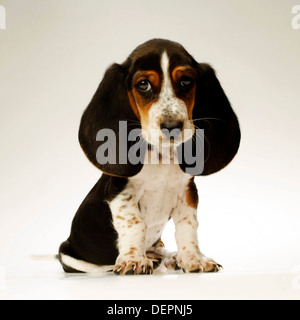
141	211
143	208
158	190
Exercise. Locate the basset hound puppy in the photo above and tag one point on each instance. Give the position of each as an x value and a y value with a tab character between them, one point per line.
166	96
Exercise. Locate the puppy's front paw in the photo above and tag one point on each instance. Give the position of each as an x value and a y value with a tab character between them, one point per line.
194	262
133	265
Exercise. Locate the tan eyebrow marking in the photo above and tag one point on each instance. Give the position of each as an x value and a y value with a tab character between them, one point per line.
180	71
150	75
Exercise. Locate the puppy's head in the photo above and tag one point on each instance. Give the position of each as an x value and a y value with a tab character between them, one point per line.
163	92
162	87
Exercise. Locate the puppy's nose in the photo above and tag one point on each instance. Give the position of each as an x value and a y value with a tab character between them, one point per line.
168	127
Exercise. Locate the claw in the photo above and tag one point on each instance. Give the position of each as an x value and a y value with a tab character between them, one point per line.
201	266
117	272
129	268
177	267
129	272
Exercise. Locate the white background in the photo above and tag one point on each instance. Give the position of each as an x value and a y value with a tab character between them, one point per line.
52	57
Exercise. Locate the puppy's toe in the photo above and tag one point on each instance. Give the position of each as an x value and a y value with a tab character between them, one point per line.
155	257
134	266
195	263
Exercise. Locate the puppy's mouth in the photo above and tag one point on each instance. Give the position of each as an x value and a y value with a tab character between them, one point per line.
171	132
174	139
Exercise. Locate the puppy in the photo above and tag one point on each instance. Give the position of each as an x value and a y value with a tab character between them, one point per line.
183	122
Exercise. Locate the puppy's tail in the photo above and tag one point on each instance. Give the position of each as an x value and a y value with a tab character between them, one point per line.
72	265
44	257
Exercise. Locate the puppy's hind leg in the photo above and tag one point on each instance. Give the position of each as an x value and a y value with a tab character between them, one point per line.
71	263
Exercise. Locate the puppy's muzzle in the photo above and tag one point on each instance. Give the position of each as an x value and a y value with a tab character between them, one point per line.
171	129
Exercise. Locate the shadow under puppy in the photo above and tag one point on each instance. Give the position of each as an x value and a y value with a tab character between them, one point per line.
163	93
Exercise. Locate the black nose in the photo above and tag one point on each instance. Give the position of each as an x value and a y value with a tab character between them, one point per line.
168	128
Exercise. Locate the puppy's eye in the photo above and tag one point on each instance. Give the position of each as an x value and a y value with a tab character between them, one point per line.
186	82
144	86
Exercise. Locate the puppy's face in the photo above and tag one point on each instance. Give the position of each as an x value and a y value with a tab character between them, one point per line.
163	89
162	95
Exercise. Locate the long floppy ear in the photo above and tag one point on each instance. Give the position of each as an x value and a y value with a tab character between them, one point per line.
106	124
213	113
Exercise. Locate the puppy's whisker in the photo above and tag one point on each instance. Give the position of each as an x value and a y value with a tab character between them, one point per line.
207	118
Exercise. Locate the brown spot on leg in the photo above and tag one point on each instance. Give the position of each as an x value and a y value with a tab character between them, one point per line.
131	251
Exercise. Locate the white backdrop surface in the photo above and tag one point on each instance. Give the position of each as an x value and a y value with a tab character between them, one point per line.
52	57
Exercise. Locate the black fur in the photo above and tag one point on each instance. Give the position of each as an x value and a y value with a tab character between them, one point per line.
93	237
109	105
214	114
